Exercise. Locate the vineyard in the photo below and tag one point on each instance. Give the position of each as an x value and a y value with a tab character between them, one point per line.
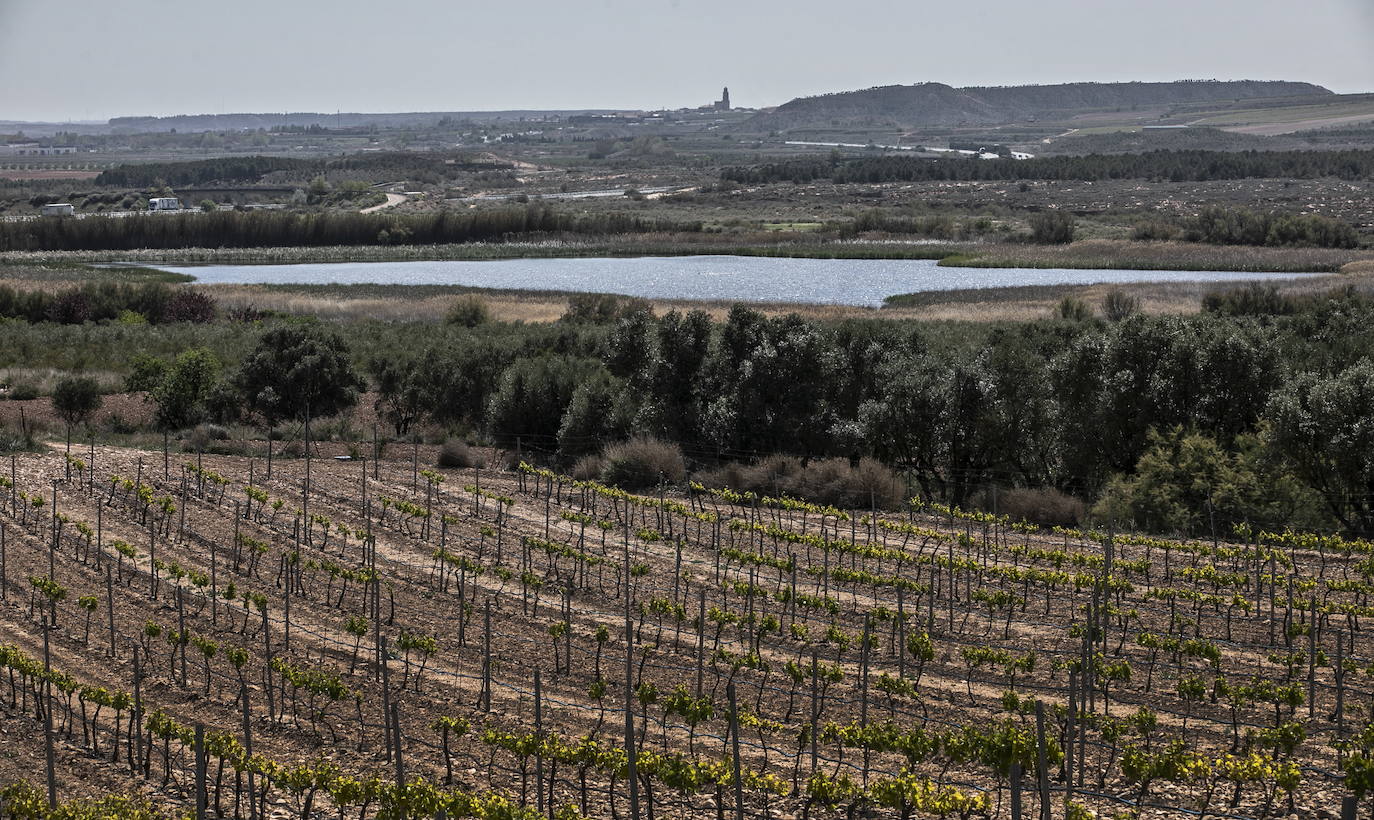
369	639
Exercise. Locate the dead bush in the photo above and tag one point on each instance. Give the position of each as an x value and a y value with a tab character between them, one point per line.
588	468
641	463
455	453
726	475
827	481
1043	505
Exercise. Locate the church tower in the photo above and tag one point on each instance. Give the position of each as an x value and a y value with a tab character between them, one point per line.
724	104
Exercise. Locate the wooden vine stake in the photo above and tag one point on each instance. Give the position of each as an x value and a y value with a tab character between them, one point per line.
1042	774
1339	716
1015	778
539	737
1350	805
1068	740
485	697
137	713
386	696
248	746
736	778
200	772
1312	659
48	753
109	604
630	753
396	742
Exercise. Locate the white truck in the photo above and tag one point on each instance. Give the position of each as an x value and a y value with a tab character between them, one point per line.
164	203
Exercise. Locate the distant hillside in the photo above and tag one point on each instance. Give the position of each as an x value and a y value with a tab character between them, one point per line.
1167	139
936	104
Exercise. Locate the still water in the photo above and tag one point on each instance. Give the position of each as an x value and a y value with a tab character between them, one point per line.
727	278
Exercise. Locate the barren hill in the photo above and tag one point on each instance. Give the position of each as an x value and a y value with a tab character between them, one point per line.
936	104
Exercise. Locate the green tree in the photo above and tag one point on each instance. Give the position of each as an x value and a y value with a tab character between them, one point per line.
590	419
319	189
145	373
534	395
298	371
75	399
401	398
183	396
1186	482
1324	427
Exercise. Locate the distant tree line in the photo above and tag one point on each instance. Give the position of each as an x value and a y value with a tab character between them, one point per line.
200	172
1171	166
185	173
231	229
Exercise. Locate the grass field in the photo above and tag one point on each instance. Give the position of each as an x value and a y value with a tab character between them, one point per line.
1291	114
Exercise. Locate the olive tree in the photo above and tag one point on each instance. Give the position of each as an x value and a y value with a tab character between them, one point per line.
75	399
1324	427
297	372
183	395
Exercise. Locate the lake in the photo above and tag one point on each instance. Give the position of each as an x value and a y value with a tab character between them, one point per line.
863	282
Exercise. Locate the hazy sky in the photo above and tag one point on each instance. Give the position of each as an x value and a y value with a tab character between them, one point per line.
92	59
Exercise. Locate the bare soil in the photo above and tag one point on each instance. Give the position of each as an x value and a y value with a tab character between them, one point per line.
677	559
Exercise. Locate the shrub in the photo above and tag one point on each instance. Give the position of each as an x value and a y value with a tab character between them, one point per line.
832	481
1254	299
1242	226
1154	230
641	463
117	424
603	308
189	306
23	391
198	440
1043	505
71	307
1051	228
13	441
587	468
1074	309
213	432
1119	304
455	453
468	311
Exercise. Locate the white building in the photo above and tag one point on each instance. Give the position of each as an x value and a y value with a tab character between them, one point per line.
33	149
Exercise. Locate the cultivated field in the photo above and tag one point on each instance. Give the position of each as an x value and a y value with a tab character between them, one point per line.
299	614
